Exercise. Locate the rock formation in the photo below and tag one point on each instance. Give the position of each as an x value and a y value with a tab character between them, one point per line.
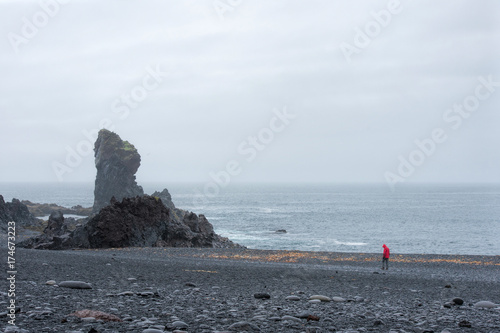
18	212
117	162
133	222
54	237
123	215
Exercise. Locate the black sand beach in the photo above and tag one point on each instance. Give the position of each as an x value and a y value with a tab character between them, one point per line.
216	290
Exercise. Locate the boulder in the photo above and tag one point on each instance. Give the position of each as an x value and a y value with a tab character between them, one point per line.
55	225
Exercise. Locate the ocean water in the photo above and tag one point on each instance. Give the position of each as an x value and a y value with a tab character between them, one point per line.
438	219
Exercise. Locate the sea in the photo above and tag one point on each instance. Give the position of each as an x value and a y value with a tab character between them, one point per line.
415	218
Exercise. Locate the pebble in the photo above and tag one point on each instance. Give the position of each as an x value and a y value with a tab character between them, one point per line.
321	298
338	299
293	298
243	326
179	324
304	314
75	285
50	282
314	301
291	318
262	296
486	305
458	301
152	330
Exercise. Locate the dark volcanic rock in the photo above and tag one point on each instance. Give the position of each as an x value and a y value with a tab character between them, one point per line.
165	197
55	225
117	162
146	221
139	221
54	237
133	222
18	212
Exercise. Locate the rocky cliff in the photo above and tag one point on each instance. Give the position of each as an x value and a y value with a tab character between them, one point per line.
117	162
18	212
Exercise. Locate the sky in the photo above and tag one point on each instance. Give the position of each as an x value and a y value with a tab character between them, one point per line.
253	91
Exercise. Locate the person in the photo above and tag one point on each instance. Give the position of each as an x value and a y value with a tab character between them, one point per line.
385	257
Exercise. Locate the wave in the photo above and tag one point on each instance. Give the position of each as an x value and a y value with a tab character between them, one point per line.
350	243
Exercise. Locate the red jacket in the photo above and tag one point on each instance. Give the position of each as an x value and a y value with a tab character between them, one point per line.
387	253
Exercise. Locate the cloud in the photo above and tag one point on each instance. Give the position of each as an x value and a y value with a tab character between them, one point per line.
225	77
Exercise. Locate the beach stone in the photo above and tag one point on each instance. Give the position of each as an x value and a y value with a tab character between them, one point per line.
291	318
50	282
75	285
486	305
304	314
152	330
243	326
338	299
465	323
314	301
190	284
321	298
293	298
262	296
458	301
179	324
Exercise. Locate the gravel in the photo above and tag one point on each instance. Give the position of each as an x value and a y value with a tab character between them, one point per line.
215	290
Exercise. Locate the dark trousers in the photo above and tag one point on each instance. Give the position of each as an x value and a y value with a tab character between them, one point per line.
385	261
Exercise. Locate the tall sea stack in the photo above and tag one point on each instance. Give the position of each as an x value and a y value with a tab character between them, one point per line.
117	162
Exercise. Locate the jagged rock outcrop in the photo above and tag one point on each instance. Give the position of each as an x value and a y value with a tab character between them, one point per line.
132	222
18	212
54	237
165	197
117	162
55	225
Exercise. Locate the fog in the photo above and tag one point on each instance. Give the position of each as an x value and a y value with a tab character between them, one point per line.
267	91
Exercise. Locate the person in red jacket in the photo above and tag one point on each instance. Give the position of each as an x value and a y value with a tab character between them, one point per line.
385	257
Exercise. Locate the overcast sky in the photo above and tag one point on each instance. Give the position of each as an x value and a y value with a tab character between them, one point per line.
195	85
